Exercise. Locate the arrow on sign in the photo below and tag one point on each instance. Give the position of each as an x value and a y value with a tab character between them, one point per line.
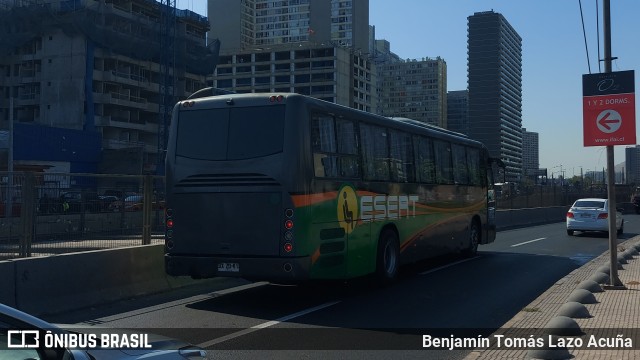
605	121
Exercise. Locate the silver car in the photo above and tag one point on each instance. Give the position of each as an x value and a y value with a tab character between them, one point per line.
22	337
592	214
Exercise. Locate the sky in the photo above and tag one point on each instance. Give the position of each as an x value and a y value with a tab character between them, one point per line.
554	59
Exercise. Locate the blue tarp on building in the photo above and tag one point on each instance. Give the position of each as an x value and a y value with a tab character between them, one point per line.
82	149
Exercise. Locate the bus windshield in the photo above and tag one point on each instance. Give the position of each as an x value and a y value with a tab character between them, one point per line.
210	134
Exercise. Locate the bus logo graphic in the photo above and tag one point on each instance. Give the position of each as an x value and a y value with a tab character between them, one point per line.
347	208
21	339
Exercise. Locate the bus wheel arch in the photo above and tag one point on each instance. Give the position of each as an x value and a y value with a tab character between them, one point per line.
474	237
388	255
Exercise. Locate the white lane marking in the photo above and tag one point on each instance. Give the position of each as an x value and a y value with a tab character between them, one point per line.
175	303
527	242
265	325
448	265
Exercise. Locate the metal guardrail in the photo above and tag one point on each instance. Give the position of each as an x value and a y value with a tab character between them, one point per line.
54	213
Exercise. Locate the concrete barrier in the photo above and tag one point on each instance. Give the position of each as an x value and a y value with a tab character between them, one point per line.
53	284
8	283
513	218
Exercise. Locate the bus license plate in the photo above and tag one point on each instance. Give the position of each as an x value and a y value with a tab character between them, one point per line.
229	267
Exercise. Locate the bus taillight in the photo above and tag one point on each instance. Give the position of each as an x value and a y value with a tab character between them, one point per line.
168	218
288	234
275	98
288	224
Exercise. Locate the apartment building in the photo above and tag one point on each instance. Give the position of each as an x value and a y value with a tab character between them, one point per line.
332	73
318	48
415	89
94	66
251	24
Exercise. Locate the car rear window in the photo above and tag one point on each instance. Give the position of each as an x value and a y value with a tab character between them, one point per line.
589	204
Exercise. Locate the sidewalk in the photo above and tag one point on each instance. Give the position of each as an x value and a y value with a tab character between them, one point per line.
615	312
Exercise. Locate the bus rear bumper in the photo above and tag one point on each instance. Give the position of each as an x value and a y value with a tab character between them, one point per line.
286	270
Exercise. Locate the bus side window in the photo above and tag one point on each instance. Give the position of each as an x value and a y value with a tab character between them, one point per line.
402	168
323	141
375	152
460	167
335	148
475	171
444	167
349	159
424	160
328	166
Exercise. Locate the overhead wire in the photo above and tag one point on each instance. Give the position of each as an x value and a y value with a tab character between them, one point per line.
598	33
584	35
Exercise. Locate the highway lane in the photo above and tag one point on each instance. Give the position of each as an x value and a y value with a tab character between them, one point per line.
240	319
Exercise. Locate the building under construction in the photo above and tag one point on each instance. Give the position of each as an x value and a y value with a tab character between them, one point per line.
102	67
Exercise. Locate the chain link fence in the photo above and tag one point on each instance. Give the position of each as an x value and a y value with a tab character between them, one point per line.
54	213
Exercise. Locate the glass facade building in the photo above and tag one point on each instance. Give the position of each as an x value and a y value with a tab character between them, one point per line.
495	88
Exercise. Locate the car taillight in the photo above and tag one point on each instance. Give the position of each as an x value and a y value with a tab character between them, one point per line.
570	215
603	216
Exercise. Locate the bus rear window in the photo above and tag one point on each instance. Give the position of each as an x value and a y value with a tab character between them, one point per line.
231	134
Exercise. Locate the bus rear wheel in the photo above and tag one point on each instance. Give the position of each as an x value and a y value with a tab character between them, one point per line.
388	257
474	239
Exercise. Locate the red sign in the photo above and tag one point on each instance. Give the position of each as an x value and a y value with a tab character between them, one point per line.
609	108
609	120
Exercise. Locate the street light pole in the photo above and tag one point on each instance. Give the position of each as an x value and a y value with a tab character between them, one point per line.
614	280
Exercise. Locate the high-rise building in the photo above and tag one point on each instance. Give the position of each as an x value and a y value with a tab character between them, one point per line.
458	111
415	89
332	73
495	88
312	47
94	67
250	24
632	164
530	154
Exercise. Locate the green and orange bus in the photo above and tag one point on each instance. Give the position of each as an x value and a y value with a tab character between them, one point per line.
288	188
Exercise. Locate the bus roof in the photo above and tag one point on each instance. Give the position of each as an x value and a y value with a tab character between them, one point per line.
213	95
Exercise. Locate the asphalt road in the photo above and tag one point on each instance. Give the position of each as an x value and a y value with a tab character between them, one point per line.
235	319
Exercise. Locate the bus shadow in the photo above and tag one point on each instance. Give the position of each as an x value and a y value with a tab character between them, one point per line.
478	295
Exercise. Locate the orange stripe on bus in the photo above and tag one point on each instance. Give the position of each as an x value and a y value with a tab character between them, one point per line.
312	199
315	256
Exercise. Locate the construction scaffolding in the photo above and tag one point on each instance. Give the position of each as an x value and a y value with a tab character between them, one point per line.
126	64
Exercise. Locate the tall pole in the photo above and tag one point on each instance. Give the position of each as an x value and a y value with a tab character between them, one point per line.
614	280
8	208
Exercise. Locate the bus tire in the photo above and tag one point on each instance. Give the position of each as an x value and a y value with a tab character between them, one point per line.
388	257
474	239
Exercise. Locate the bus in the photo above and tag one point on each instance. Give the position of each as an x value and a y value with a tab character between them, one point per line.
288	188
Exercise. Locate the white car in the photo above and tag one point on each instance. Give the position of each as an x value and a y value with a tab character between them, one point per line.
592	215
18	328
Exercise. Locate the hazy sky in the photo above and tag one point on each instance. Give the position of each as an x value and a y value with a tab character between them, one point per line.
553	58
